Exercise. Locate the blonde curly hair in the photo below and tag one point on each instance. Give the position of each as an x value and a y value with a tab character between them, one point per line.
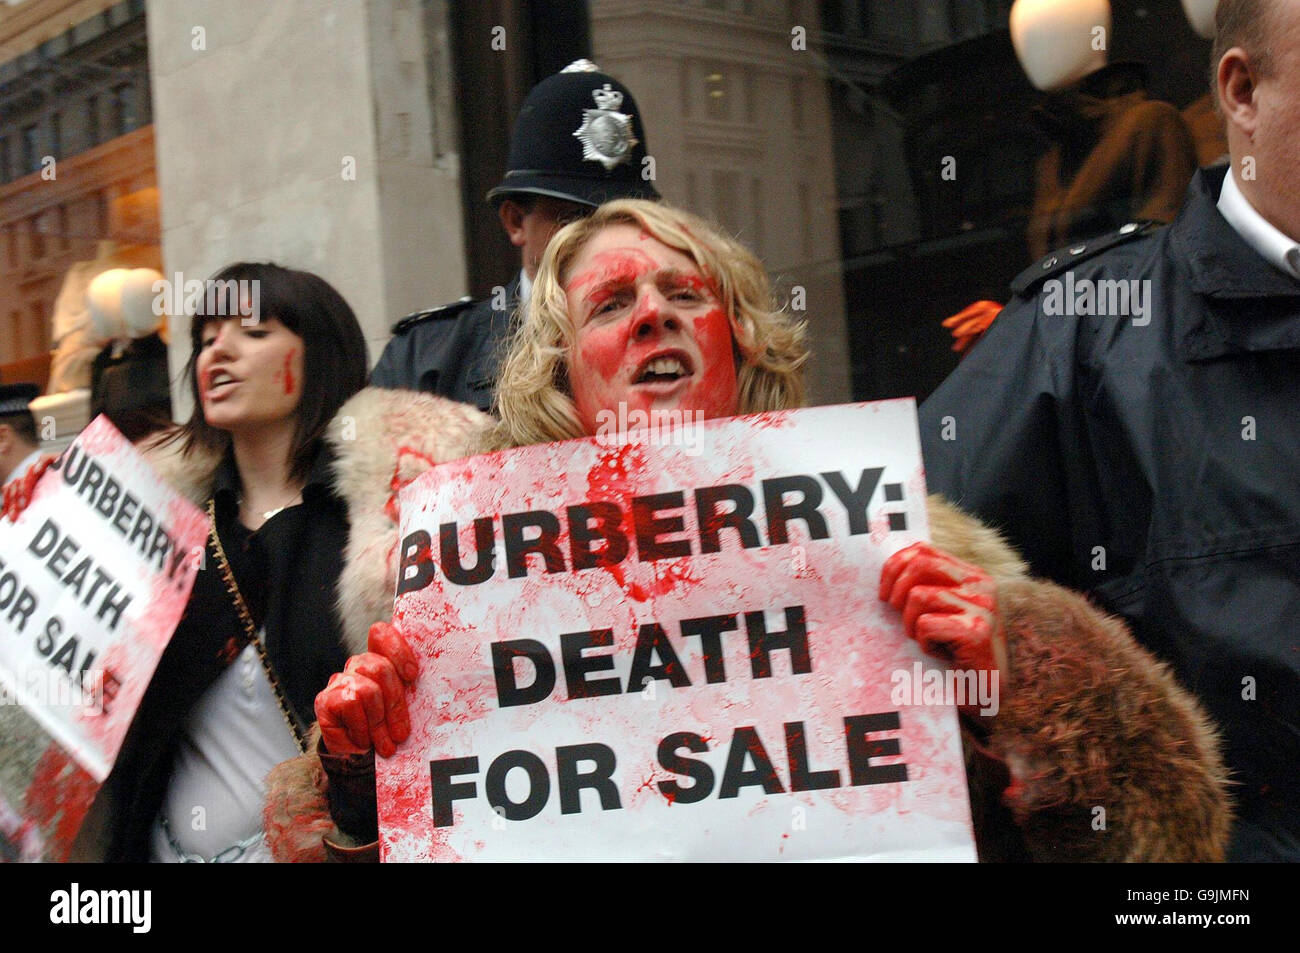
533	397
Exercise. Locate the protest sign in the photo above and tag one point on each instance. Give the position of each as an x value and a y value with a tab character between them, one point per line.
94	576
634	653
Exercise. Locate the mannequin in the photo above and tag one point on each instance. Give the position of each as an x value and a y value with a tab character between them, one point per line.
129	379
132	242
1116	156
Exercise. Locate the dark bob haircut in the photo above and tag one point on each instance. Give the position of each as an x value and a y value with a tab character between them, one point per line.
333	358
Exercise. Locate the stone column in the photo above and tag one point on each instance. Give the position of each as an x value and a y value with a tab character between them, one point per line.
318	135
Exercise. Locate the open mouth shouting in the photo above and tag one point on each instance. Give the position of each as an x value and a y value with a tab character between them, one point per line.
662	372
220	384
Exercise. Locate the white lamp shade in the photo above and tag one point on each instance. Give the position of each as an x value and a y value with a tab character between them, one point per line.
138	299
1059	42
104	302
1200	14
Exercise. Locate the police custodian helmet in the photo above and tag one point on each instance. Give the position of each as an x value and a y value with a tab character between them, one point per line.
579	137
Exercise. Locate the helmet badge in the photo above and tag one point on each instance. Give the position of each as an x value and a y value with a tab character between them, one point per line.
606	133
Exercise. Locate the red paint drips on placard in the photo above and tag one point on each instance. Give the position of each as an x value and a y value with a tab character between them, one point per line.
59	796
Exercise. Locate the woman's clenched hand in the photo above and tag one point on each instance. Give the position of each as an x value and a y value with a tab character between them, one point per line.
364	706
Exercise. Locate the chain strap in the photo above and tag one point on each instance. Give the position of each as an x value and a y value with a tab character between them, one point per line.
227	856
250	632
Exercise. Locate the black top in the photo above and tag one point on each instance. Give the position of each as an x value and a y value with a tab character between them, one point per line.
1151	457
287	571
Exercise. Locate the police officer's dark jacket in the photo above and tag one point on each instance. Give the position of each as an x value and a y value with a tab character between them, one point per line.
454	351
1153	459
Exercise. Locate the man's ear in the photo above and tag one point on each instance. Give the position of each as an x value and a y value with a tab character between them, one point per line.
1237	79
512	217
7	436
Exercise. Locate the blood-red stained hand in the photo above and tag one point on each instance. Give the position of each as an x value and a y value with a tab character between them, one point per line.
364	706
18	493
949	607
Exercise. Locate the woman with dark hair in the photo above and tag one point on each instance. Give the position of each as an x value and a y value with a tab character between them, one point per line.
276	352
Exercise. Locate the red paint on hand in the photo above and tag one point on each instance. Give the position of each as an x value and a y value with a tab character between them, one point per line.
949	607
364	706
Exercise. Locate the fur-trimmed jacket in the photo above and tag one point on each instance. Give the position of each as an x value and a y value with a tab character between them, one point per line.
1092	720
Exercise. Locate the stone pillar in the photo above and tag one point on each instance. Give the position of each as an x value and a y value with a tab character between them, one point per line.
316	135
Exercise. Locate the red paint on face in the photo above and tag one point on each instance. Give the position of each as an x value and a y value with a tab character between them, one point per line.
289	381
609	269
632	305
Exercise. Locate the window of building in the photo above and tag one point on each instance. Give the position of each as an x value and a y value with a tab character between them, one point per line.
92	122
717	101
31	139
726	201
121	119
35	238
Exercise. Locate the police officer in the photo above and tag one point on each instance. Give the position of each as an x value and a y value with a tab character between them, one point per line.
1132	422
578	142
20	448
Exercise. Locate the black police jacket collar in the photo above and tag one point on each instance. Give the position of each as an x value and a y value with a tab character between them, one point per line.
1222	264
1253	306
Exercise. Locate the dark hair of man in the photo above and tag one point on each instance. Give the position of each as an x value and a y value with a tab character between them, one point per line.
23	424
1247	24
333	359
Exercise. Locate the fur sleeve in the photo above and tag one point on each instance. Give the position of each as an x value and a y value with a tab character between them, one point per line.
1108	758
382	440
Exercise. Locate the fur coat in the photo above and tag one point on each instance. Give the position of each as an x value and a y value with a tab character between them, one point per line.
1090	719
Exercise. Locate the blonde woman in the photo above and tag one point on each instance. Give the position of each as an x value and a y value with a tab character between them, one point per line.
648	307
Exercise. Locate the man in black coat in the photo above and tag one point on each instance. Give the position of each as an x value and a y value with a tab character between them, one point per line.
578	142
1132	421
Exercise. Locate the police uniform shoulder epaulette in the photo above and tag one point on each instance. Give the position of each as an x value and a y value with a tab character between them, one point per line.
432	314
1063	259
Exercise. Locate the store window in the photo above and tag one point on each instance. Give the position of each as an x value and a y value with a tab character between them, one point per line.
884	157
891	166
